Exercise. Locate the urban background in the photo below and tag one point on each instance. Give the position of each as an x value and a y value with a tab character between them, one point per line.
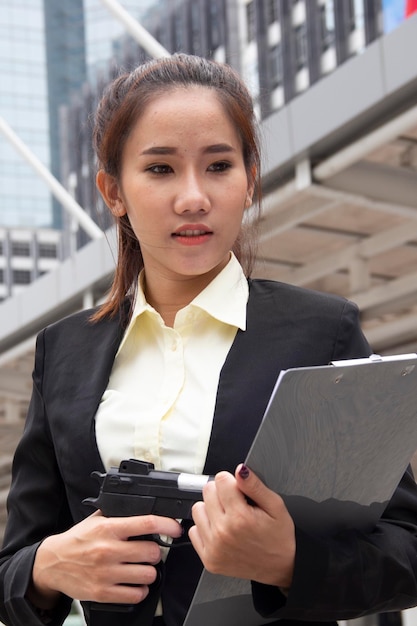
335	88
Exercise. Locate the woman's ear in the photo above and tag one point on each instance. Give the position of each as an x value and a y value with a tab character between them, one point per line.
110	191
251	187
248	201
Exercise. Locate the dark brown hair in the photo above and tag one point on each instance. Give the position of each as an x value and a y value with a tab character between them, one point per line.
122	104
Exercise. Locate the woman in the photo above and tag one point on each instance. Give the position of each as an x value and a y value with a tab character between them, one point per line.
177	368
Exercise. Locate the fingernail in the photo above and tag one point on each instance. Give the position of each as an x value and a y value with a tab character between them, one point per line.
244	472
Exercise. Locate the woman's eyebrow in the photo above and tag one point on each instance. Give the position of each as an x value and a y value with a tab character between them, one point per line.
159	150
219	147
211	149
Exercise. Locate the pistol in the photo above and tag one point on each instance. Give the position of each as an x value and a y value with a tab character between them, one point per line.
136	488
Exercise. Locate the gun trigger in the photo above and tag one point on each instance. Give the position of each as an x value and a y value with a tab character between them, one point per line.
160	541
166	544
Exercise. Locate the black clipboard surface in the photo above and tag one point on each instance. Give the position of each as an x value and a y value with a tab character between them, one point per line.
334	442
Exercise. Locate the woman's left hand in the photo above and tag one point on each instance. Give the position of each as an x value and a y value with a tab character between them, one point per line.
234	538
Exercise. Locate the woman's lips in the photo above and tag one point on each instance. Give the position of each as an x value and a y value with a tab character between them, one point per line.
192	235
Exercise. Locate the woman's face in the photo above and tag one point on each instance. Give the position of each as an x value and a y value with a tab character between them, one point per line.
183	184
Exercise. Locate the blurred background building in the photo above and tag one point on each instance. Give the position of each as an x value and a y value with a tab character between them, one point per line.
55	58
335	88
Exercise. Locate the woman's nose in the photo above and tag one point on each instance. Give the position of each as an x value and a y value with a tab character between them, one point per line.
192	197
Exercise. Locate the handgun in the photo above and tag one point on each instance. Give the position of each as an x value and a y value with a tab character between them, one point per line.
136	488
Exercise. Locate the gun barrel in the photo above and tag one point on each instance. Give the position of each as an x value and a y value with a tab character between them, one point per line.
192	482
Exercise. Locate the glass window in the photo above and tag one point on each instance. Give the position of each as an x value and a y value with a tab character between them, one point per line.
48	250
250	21
272	11
301	46
20	248
21	277
275	66
178	32
327	24
355	14
215	39
195	28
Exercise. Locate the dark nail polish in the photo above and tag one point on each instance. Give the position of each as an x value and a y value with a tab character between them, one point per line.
244	472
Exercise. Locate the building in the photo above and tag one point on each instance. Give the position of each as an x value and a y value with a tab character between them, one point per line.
103	33
25	255
66	71
25	201
48	51
294	44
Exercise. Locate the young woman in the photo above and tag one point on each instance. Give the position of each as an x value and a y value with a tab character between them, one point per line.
177	368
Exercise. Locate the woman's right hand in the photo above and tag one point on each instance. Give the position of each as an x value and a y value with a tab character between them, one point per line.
94	560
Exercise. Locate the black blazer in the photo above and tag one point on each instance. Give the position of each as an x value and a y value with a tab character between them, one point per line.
349	575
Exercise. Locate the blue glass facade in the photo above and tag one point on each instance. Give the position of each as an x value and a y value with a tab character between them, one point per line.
24	105
47	50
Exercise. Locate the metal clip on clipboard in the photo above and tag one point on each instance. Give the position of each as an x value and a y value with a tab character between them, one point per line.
375	358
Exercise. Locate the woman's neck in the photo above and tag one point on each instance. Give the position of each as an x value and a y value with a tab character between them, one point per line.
169	296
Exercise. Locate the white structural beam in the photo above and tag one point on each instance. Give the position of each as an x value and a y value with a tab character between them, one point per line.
15	385
396	332
364	249
290	209
393	291
136	30
60	193
60	292
290	216
357	150
345	197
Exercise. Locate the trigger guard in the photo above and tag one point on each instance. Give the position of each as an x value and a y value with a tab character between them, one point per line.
157	539
152	537
161	542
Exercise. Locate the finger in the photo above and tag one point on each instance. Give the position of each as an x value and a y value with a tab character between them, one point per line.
139	551
201	532
199	513
258	492
211	492
197	540
125	527
123	594
135	574
222	494
118	594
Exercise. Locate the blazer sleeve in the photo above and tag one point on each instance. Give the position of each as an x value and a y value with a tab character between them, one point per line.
37	508
352	573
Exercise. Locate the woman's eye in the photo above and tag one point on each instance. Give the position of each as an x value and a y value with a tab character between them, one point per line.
159	169
219	166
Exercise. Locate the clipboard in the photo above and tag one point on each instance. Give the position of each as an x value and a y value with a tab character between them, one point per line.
334	442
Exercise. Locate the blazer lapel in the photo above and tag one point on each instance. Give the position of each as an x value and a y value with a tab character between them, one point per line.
246	383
